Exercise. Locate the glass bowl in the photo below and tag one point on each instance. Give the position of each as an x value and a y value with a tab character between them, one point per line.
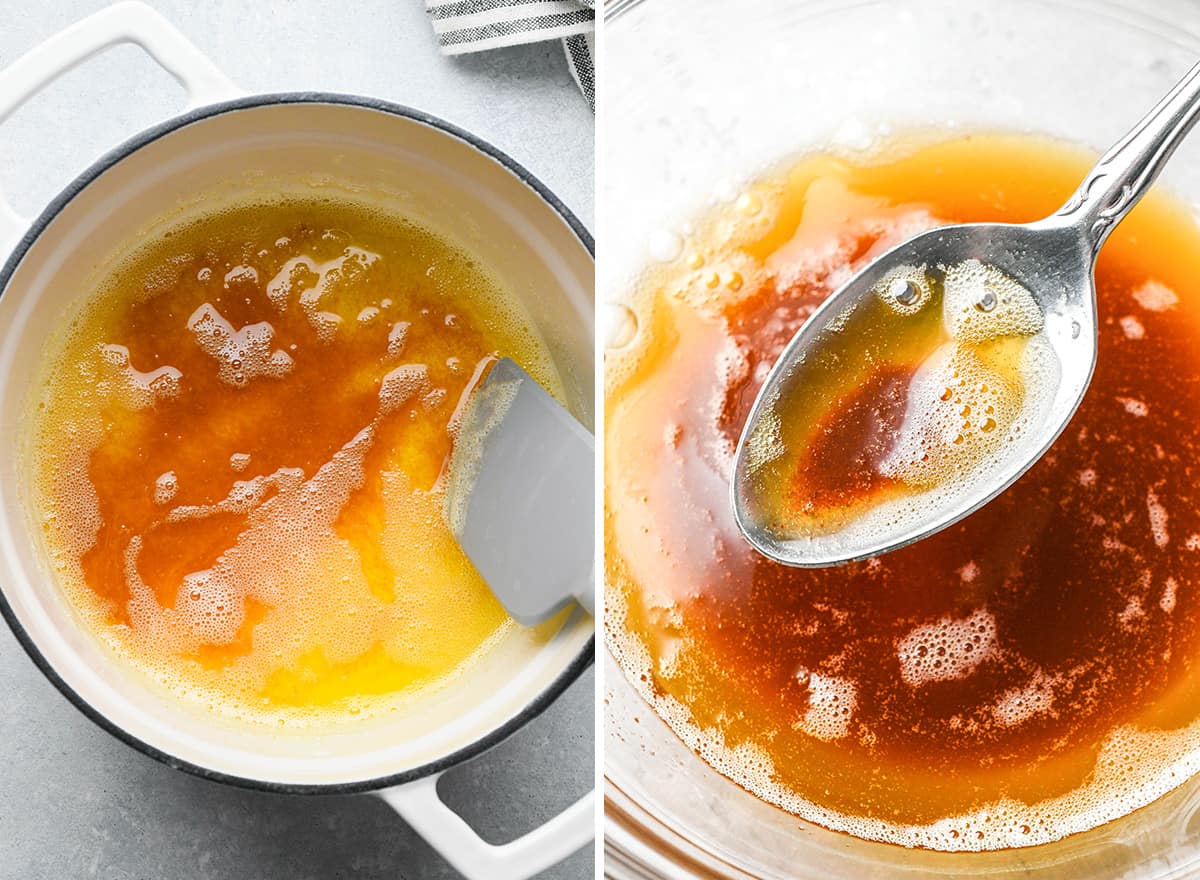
702	95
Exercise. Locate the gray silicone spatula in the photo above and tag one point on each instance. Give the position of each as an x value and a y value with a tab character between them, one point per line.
520	496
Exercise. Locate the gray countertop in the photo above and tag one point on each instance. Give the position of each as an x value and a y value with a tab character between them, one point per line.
74	802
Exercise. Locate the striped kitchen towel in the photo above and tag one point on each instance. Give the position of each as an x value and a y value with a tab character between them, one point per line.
464	26
581	51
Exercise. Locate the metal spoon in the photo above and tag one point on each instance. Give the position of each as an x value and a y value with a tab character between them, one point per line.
1053	258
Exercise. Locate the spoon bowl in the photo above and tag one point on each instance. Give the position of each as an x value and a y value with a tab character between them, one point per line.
1050	259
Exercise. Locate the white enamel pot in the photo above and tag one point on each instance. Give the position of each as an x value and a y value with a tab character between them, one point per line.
223	148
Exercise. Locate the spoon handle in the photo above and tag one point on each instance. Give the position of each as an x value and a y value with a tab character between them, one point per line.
1125	172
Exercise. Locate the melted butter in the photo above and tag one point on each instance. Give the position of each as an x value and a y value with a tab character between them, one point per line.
240	454
1025	674
926	384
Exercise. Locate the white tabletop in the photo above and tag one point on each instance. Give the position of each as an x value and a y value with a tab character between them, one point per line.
76	803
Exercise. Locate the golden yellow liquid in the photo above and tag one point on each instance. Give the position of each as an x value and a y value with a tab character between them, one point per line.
899	399
240	453
1023	675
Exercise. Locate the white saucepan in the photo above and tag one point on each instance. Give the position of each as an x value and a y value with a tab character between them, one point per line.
227	147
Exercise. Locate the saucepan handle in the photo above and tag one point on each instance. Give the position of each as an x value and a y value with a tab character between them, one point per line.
420	806
128	22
